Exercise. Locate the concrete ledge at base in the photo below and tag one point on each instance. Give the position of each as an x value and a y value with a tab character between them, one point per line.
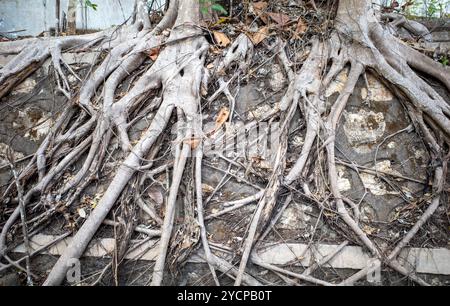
420	260
97	247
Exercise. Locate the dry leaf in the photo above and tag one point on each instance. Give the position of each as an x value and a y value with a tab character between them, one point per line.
153	53
301	28
203	90
259	9
369	230
214	50
156	195
222	117
259	6
260	162
260	35
221	39
280	18
193	142
207	189
186	243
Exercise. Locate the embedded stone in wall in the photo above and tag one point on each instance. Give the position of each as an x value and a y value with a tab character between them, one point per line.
3	153
295	217
375	90
363	129
35	123
277	79
376	185
343	182
25	87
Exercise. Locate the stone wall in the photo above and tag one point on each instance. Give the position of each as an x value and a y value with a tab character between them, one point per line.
32	17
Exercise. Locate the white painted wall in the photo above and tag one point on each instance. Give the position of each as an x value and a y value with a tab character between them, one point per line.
37	16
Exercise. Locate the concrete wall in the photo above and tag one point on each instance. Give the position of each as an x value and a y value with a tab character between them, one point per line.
37	16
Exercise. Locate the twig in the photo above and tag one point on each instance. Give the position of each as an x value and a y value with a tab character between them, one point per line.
277	216
325	259
139	229
236	205
299	276
149	210
371	171
37	251
203	234
408	129
22	218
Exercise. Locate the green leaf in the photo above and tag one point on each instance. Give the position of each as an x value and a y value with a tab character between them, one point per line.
91	5
219	8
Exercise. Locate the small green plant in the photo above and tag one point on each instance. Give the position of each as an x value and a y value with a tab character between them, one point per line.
206	5
432	8
91	5
444	60
436	8
427	8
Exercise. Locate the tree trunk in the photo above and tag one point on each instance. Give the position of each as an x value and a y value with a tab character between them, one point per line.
72	17
57	17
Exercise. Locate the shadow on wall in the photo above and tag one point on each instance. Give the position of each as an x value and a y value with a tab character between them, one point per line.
31	18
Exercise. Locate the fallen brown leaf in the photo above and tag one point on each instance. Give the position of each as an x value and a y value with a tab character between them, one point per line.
280	18
155	193
222	117
186	244
259	6
207	189
259	9
260	35
221	39
301	28
193	142
153	53
369	230
203	90
260	162
215	50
